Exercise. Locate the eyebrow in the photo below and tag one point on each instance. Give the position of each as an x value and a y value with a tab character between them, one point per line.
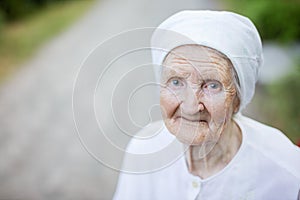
211	80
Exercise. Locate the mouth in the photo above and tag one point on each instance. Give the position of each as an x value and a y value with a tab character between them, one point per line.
192	120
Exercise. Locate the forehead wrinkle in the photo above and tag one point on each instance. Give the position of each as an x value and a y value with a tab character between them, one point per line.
180	72
212	70
215	60
196	73
176	72
183	60
186	66
195	64
196	53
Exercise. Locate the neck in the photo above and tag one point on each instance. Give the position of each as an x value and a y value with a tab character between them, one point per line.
207	159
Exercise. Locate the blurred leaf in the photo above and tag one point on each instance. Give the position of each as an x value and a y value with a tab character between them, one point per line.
275	19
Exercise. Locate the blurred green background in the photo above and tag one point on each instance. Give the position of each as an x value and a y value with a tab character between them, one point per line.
26	25
277	21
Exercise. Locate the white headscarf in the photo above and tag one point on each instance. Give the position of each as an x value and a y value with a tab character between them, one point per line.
231	34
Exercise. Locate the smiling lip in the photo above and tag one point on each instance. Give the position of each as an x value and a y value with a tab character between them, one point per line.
193	120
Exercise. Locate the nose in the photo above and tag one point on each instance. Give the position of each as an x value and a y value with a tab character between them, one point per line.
191	103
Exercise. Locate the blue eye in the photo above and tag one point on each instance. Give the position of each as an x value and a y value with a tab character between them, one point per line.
212	86
175	82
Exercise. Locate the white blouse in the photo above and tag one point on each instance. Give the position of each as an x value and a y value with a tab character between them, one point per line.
266	167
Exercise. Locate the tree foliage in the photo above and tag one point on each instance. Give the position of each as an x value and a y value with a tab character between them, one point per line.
15	9
275	19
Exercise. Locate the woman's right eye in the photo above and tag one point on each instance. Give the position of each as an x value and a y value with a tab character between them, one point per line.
175	83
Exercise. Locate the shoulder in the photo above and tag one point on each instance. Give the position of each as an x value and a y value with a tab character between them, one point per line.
151	149
148	163
149	139
272	144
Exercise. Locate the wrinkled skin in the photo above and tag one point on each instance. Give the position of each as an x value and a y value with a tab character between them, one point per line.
198	99
197	96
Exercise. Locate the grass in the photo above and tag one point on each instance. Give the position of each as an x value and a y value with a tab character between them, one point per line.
19	40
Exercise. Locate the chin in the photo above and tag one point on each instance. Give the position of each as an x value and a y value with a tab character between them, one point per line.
190	141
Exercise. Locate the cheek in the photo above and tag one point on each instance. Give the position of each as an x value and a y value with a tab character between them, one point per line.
168	103
220	107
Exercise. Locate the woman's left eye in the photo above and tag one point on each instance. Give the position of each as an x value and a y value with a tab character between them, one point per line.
213	86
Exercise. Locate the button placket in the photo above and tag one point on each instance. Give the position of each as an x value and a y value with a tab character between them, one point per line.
195	187
195	184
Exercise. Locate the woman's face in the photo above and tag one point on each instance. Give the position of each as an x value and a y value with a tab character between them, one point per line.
197	95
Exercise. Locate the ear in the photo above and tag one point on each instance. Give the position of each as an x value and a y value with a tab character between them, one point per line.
236	104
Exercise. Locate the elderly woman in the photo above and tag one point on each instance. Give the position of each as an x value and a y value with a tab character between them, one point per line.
209	65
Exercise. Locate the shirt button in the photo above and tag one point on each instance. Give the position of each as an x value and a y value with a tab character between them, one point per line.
195	184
